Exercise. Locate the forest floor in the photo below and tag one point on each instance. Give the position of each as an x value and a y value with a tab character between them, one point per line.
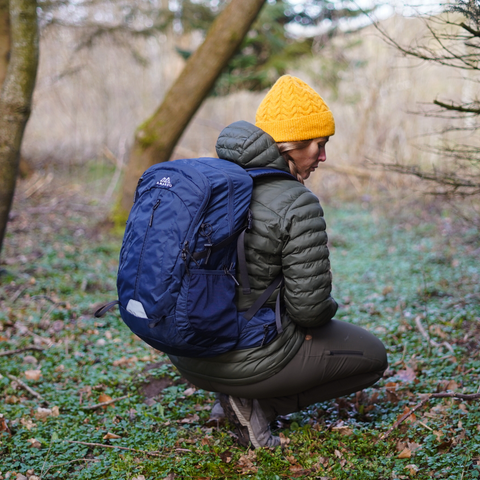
412	278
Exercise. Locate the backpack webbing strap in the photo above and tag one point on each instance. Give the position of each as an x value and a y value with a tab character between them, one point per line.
218	246
242	264
100	312
249	314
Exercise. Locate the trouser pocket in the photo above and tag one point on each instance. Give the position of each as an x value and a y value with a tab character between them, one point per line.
344	352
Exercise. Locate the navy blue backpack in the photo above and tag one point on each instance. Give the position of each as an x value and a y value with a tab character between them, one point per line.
176	277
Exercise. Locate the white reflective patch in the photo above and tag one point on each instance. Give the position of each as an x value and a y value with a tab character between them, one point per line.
136	308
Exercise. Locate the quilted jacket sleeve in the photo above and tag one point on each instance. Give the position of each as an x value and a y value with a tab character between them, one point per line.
305	263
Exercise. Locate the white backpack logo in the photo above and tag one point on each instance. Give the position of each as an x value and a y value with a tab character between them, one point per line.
165	182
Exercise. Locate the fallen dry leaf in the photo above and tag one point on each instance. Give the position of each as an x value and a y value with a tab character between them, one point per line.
190	419
11	400
386	290
125	361
44	413
30	359
413	447
105	398
189	391
409	419
34	375
392	397
3	425
407	375
140	477
412	469
405	453
34	443
110	436
344	430
295	468
27	423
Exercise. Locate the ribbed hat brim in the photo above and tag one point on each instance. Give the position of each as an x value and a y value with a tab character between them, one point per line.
301	128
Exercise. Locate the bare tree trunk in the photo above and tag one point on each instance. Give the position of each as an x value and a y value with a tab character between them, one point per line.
16	98
157	137
4	39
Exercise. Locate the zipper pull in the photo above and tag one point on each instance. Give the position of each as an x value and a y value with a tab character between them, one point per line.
151	216
230	275
249	219
184	256
265	333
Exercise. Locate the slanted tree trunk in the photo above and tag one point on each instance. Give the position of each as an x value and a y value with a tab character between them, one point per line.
16	98
156	138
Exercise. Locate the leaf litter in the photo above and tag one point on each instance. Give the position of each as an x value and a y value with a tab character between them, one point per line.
58	267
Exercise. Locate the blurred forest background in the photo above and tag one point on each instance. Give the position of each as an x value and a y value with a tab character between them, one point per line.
105	68
400	189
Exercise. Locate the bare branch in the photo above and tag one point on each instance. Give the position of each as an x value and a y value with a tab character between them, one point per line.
26	387
104	404
474	32
457	108
20	350
88	444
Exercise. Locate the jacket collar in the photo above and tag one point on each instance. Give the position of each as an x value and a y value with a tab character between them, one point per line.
250	147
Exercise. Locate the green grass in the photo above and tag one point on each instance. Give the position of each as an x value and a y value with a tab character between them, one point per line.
387	271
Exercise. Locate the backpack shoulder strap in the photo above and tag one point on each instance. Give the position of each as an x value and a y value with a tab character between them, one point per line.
242	263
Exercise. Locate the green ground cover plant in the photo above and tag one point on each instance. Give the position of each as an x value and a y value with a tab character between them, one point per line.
411	279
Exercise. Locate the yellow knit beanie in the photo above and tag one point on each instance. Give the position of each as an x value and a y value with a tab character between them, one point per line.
292	111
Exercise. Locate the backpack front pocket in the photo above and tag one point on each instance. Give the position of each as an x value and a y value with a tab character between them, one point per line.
210	304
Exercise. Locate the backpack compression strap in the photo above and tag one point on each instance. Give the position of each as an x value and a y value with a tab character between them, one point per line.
249	314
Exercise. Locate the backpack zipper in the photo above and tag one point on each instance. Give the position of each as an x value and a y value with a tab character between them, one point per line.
140	261
153	212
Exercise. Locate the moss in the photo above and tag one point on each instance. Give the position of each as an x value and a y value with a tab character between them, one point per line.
119	217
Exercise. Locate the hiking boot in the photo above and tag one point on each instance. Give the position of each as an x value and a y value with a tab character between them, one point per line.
250	421
217	415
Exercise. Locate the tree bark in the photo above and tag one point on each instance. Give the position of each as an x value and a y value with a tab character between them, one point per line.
4	39
157	137
16	98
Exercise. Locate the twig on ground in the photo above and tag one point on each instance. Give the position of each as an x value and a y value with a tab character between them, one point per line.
461	396
26	387
418	322
88	444
103	404
18	293
20	350
71	461
23	330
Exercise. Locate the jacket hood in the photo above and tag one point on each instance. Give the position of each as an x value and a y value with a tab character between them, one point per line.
250	147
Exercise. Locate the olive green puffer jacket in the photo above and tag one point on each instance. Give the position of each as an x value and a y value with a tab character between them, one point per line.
287	236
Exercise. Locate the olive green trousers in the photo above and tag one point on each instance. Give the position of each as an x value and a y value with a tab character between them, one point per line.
335	359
